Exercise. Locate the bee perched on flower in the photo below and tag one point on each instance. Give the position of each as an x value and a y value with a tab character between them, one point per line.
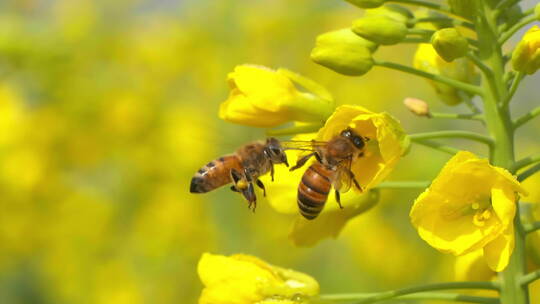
471	205
387	142
245	279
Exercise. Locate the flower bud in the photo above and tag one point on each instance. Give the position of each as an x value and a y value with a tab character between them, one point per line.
344	52
526	55
417	106
463	8
366	3
511	15
393	11
380	29
449	44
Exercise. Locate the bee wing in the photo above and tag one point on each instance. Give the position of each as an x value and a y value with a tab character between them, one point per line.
343	179
302	145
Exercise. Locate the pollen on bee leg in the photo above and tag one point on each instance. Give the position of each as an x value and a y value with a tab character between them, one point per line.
241	185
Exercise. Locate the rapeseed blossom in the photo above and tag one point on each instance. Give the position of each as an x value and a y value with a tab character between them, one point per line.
262	97
469	206
245	279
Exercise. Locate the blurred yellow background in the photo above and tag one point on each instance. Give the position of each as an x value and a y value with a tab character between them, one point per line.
107	109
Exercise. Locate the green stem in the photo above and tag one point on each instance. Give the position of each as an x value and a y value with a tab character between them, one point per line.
437	146
525	118
415	40
453	134
511	31
404	185
477	117
436	77
421	32
484	68
522	163
501	129
513	87
416	296
531	227
529	172
386	295
530	277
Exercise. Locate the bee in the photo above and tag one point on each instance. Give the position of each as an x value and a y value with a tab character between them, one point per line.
332	169
242	169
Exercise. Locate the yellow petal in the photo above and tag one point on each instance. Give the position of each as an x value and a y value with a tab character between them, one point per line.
266	88
504	205
472	267
239	109
497	253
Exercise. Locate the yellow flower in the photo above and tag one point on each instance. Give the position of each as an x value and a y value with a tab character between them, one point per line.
262	97
387	143
526	55
244	279
427	59
469	206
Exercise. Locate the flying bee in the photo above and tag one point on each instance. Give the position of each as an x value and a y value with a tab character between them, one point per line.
242	169
332	169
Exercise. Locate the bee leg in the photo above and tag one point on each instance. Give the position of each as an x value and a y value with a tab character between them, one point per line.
318	157
249	195
272	172
303	160
261	185
233	188
235	176
338	199
353	177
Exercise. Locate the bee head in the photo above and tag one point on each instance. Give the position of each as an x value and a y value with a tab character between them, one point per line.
358	141
275	152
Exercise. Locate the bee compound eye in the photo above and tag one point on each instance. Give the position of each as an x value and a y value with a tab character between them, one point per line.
358	142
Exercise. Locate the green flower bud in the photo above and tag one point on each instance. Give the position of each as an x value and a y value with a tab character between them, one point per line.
526	55
511	16
344	52
380	29
366	3
449	44
463	8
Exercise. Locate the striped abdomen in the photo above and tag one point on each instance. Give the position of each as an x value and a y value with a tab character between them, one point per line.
215	174
313	190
